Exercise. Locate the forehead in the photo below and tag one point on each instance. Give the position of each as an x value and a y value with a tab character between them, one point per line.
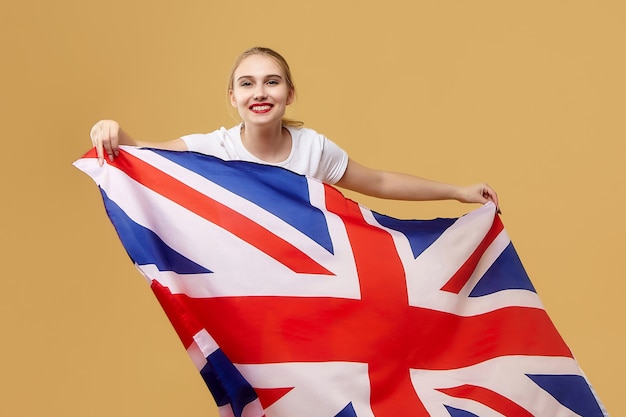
258	65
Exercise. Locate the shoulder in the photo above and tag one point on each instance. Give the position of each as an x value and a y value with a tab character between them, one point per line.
312	140
323	159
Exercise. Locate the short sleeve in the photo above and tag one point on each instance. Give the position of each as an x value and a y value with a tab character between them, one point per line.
333	162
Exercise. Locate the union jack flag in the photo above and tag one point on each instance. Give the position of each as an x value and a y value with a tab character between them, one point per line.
294	301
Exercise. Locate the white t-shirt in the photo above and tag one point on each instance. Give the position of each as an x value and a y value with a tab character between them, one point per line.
312	154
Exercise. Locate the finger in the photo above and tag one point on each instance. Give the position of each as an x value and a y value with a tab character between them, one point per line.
493	196
106	142
115	140
96	140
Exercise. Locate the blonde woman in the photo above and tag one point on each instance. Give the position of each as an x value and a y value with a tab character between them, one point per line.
261	88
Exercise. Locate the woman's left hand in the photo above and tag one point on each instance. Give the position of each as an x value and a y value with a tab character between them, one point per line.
479	193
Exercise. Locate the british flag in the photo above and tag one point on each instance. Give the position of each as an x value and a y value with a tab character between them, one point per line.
295	301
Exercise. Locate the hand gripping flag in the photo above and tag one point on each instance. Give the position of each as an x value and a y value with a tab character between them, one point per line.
294	301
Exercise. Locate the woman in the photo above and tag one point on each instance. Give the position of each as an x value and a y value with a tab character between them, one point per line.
261	88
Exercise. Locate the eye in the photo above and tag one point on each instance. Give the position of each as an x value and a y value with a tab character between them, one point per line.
245	84
273	82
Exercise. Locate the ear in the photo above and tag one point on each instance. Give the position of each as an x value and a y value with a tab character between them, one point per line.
291	96
232	98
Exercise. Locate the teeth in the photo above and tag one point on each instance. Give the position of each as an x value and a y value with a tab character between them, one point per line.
261	108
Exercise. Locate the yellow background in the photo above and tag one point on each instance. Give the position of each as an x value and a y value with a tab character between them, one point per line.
529	96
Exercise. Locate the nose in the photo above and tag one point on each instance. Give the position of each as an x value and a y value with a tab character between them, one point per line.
259	93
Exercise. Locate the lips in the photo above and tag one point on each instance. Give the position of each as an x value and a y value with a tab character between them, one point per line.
260	107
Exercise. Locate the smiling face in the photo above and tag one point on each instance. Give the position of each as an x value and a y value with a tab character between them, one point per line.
260	89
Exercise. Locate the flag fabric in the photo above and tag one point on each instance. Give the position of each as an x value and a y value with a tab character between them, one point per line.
293	300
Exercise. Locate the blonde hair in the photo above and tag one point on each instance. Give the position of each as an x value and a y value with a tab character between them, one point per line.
282	63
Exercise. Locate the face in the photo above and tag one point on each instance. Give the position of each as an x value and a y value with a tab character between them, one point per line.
260	92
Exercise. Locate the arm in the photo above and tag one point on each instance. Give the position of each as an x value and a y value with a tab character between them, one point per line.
398	186
107	135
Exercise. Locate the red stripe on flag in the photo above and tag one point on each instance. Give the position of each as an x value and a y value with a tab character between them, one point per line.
460	278
217	213
269	396
186	324
298	329
489	398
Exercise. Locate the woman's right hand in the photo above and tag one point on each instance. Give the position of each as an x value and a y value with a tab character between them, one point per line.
105	136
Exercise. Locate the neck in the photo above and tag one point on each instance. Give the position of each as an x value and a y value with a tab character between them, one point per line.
270	143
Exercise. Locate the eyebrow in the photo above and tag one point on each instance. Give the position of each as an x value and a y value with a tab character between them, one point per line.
267	76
